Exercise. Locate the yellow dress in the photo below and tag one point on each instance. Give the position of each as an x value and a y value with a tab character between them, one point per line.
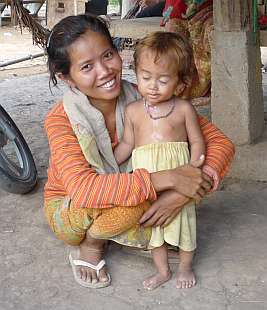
154	157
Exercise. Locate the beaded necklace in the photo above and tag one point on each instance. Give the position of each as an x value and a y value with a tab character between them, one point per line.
149	109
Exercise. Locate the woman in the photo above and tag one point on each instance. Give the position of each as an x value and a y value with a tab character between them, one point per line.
88	198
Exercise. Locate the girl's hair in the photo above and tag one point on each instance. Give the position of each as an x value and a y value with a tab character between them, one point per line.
65	33
167	44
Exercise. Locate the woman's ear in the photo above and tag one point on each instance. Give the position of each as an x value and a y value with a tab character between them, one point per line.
66	79
179	89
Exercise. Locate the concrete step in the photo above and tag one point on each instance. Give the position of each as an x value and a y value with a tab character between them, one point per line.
250	161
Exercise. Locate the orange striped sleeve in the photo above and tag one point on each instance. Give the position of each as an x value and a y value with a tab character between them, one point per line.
219	149
81	183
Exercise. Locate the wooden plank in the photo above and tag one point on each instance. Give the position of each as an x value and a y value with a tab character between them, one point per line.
139	27
135	28
232	15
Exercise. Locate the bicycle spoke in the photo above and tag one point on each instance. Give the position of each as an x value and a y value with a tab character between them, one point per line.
10	165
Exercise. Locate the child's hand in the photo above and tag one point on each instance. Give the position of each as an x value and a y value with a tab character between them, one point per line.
199	162
214	175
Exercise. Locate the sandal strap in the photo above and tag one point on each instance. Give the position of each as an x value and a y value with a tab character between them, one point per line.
97	268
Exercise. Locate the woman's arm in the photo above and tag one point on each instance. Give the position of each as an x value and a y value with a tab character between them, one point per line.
219	149
219	155
82	184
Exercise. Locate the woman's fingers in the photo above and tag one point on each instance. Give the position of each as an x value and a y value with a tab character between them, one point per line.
207	178
168	220
148	214
154	221
206	185
201	192
163	210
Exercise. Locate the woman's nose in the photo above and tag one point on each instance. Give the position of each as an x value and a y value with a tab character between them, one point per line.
102	69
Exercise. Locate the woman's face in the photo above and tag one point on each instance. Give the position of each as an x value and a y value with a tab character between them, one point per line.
95	67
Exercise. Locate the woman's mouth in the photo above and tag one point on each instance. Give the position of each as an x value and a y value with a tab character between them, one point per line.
108	84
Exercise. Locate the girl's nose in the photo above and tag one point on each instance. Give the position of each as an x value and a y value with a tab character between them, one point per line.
153	85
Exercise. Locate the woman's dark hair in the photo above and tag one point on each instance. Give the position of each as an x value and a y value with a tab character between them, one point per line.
63	34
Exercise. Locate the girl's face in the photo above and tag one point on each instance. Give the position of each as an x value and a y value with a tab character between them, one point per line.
95	67
158	81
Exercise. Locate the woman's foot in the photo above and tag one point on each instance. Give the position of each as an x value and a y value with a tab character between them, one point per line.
92	252
156	280
185	278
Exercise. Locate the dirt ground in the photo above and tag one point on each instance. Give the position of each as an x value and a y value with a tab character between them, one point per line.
15	44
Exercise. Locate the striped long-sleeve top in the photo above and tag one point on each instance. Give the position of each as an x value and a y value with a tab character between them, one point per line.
69	174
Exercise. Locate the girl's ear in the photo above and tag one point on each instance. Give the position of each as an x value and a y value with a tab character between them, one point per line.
66	80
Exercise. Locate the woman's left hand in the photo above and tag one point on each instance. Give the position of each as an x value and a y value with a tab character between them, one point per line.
211	172
164	209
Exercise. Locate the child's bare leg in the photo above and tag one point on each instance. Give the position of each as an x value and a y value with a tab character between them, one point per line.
160	258
185	275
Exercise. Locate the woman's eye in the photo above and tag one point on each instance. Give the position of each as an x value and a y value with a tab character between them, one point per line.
87	67
145	78
108	55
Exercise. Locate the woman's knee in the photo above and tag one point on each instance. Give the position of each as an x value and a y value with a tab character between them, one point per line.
63	224
117	220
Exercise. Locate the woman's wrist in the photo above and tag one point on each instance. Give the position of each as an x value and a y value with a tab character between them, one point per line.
162	180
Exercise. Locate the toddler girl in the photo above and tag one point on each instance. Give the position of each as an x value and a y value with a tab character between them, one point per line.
162	132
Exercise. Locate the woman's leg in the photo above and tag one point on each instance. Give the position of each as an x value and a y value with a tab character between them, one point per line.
185	275
111	222
91	251
160	258
87	228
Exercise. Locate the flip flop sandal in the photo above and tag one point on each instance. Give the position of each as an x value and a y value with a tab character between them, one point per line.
77	262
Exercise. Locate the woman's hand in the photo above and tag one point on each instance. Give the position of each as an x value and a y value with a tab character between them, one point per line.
186	180
164	209
214	175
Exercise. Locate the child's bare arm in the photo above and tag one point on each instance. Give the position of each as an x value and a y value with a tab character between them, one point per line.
124	149
195	137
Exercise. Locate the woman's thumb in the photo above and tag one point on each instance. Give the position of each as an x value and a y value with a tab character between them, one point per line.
199	162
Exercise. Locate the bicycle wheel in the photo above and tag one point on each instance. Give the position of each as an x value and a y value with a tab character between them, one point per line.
18	173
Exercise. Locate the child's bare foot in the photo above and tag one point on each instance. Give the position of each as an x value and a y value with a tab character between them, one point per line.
185	278
185	275
156	280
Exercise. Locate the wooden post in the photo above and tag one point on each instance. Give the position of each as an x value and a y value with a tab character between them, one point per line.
237	99
233	15
58	9
125	7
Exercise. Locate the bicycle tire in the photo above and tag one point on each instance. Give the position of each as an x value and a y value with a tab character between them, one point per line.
9	181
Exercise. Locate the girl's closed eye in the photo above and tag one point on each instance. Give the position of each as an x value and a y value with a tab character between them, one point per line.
146	78
164	82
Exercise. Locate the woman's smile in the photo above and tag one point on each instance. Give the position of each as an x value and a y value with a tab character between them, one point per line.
109	84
